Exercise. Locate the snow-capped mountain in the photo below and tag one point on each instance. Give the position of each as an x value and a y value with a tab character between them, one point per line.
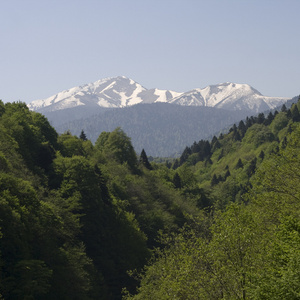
229	96
109	93
121	92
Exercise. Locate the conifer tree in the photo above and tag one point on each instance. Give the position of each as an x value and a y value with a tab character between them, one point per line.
177	181
206	149
252	167
295	113
175	164
233	129
269	119
221	154
262	155
260	118
184	156
239	164
83	136
227	174
168	164
283	108
284	143
213	141
144	160
215	144
195	148
214	180
237	136
242	128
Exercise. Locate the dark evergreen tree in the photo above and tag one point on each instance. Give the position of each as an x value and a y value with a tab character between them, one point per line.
284	142
239	164
220	178
195	148
227	174
214	180
184	156
2	108
261	155
252	167
221	154
215	146
269	119
233	129
206	149
242	128
295	113
283	108
260	118
175	164
237	136
249	122
213	141
208	161
177	181
83	136
144	160
168	164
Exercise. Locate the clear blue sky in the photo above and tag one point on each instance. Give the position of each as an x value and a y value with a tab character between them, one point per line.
49	46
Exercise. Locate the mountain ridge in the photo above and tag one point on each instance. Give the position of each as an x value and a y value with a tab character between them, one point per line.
162	129
113	92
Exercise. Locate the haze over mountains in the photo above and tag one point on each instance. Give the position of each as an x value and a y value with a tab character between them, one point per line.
161	121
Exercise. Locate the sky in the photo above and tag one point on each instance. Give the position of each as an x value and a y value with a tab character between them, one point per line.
50	46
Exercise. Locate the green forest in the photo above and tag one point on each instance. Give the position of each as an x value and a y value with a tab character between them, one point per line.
162	129
98	221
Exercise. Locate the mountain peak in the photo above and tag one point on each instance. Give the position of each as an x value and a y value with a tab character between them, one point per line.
120	91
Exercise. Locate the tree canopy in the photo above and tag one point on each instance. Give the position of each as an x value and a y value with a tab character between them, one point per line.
85	221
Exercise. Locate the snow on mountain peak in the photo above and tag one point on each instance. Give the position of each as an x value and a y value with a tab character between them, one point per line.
228	95
121	92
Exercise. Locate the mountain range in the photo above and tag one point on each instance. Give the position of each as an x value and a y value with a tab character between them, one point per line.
118	92
161	121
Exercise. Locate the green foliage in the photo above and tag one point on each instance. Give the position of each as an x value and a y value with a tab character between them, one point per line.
222	223
197	267
258	134
280	121
144	160
62	233
116	145
251	251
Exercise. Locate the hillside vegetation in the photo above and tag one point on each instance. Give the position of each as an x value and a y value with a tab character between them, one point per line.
96	221
247	245
162	129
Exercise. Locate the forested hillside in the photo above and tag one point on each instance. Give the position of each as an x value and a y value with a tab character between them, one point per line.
162	129
97	221
74	216
246	245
